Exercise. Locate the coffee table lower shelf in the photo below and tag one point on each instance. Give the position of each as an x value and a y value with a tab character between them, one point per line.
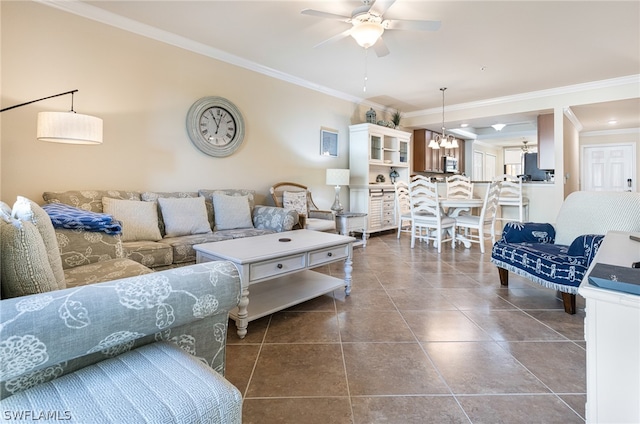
280	293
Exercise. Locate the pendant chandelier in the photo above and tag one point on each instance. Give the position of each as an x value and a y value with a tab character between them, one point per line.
443	141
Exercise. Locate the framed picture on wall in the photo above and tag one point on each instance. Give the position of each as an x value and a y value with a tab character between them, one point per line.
328	142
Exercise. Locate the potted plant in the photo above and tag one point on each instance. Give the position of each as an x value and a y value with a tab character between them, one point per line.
395	118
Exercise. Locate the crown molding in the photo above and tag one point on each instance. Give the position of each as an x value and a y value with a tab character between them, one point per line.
559	91
610	132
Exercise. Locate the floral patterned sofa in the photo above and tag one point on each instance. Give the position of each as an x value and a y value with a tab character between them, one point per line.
557	256
159	228
143	348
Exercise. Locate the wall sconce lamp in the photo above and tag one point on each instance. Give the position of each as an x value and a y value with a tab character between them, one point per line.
66	127
337	178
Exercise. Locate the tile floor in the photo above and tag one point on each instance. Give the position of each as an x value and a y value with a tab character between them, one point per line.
423	338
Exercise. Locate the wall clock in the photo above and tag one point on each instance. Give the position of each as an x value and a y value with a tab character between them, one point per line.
215	126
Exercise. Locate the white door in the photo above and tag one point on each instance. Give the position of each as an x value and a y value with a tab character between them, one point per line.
609	167
489	166
478	165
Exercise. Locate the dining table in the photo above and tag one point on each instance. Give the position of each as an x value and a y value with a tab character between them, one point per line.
454	206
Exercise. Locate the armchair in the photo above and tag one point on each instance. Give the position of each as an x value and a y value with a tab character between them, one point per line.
298	197
557	256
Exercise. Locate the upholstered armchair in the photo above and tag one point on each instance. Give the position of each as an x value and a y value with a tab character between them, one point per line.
297	197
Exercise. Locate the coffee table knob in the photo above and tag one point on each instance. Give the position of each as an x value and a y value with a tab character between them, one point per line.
329	254
279	266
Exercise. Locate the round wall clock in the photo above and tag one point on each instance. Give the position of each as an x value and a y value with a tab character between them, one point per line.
215	126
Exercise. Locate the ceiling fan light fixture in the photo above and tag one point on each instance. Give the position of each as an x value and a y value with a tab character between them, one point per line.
367	33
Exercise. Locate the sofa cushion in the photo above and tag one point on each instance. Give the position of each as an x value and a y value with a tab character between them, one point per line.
529	232
208	197
107	270
231	212
27	210
182	246
149	253
155	383
153	196
25	267
139	219
89	200
295	200
184	216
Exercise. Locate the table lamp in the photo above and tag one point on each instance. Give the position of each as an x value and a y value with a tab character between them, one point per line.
337	178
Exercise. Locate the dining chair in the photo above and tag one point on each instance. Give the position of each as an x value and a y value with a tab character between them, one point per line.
476	224
427	215
511	196
459	187
403	207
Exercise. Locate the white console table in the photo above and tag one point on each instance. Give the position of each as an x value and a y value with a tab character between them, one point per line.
612	332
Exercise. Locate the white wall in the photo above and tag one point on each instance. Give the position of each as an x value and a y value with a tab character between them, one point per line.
142	89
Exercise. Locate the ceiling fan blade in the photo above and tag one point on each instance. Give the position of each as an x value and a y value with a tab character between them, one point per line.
327	15
380	47
335	38
412	25
381	6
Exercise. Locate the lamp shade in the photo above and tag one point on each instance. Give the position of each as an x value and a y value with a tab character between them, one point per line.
69	127
367	33
337	177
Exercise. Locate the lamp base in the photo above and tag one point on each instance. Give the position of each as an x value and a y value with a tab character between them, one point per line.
337	207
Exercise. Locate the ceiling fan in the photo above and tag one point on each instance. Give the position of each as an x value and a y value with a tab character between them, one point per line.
368	24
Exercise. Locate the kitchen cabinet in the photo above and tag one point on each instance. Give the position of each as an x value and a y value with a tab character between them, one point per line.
426	159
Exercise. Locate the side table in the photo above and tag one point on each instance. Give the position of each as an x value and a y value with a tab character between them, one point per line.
347	222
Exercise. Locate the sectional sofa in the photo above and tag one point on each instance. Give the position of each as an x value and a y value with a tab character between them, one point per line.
159	229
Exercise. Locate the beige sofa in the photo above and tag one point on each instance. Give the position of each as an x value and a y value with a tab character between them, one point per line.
159	229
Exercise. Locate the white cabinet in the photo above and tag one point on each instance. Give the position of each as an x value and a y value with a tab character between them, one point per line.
612	333
374	153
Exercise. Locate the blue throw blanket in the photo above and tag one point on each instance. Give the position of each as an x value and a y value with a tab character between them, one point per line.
70	217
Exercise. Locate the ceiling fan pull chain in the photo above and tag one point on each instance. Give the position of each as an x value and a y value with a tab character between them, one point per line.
364	89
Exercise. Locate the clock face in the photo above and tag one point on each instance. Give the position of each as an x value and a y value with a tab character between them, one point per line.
215	126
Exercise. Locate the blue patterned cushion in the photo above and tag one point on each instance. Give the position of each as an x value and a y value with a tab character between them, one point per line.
529	232
66	216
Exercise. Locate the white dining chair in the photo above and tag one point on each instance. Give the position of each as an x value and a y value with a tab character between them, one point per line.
459	187
511	196
403	207
429	222
477	224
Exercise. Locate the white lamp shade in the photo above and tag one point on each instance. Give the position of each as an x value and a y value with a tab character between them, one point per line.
69	127
337	177
434	144
454	143
367	33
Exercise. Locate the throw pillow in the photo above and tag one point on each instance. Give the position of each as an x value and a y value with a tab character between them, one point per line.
295	200
184	216
231	212
139	219
25	267
28	210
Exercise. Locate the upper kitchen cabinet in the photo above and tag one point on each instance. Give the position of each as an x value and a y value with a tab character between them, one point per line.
429	160
546	149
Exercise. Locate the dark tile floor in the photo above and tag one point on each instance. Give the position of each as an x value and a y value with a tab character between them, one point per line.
423	338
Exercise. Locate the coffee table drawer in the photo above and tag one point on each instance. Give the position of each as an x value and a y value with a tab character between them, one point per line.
320	257
276	267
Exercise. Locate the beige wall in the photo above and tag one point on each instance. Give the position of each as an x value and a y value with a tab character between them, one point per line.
570	138
142	89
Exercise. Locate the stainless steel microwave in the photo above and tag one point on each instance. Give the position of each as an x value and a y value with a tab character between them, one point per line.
449	164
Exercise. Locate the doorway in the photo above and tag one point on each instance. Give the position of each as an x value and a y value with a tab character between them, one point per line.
608	167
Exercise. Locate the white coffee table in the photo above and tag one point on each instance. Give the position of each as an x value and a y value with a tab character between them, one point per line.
277	268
